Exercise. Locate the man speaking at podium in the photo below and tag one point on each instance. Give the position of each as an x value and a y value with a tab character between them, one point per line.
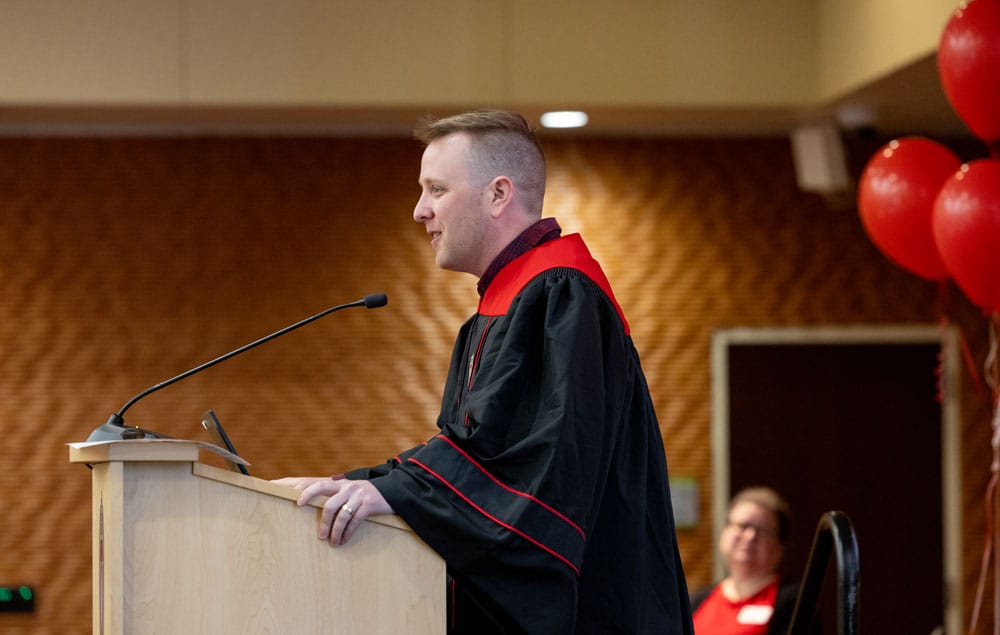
546	489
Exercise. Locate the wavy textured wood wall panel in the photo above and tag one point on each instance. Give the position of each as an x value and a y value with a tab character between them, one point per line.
124	262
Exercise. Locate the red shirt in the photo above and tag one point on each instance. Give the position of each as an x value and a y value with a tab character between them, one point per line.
717	615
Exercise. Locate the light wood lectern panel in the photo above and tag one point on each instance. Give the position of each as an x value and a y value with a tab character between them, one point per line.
183	547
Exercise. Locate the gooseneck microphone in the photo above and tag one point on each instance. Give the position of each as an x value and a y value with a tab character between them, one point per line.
116	429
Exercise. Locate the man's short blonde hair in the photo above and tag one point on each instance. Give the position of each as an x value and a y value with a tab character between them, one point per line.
503	144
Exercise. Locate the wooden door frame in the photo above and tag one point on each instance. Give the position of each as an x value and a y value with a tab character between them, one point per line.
951	489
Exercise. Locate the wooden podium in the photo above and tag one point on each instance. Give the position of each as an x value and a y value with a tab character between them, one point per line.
184	547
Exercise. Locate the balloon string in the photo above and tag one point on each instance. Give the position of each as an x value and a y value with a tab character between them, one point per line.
970	364
987	556
942	309
992	363
991	538
992	533
943	304
992	372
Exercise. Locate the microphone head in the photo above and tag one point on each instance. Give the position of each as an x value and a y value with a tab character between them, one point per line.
376	300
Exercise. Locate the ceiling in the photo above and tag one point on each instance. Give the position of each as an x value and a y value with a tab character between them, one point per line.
909	101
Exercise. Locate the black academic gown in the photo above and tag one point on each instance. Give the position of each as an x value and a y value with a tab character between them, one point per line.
546	489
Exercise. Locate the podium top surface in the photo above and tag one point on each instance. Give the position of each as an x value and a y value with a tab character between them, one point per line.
183	450
144	450
134	450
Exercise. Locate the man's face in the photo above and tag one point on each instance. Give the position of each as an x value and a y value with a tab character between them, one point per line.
454	206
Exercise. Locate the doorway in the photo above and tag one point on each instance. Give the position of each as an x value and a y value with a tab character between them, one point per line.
862	420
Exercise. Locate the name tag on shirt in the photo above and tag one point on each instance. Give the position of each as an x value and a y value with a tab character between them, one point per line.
756	614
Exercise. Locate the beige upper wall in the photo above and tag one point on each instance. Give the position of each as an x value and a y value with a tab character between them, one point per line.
400	53
102	51
383	52
651	53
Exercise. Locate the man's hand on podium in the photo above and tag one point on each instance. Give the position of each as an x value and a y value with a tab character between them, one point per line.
349	503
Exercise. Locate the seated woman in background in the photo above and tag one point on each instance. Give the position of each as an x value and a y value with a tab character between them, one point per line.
753	599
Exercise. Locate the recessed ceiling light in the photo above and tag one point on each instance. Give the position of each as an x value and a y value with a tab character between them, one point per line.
564	119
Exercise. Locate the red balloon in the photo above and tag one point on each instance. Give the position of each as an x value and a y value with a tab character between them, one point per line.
969	65
967	230
896	200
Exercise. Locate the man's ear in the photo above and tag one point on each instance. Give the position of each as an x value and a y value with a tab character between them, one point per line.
501	193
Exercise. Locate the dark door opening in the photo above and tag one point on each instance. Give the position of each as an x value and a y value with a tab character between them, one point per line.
854	426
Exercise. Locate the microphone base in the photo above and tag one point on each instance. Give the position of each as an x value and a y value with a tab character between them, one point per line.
113	432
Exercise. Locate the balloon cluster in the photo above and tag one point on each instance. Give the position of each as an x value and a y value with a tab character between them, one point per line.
923	208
